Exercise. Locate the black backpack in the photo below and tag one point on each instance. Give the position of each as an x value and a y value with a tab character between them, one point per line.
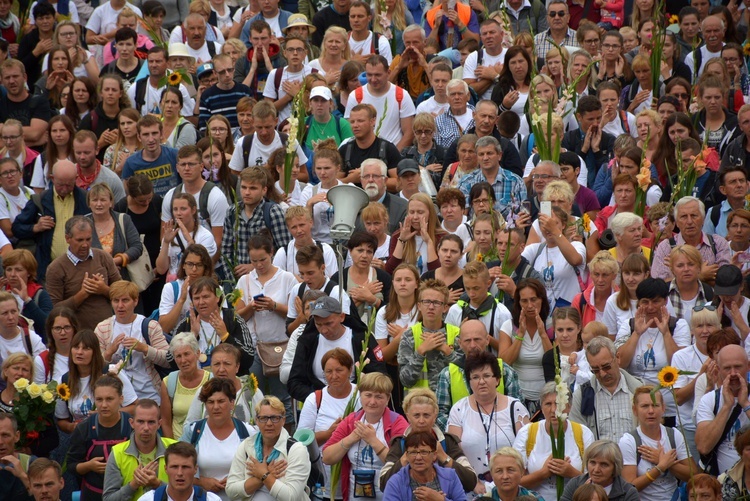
202	200
247	145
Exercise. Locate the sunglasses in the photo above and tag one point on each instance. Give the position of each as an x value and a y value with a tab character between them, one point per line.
558	13
708	307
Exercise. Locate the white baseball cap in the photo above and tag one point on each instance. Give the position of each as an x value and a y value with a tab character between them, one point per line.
321	91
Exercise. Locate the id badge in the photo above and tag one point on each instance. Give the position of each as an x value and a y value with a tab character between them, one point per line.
364	483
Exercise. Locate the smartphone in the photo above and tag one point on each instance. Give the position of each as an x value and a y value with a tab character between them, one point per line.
259	296
452	4
526	206
545	208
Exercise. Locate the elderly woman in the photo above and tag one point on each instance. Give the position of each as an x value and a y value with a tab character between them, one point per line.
738	235
425	151
604	466
533	440
421	409
559	194
628	231
466	164
603	270
422	478
20	279
361	440
687	291
507	468
655	459
179	387
468	415
622	306
217	436
265	467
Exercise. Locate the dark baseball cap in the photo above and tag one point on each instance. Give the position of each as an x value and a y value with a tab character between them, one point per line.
728	280
324	307
407	165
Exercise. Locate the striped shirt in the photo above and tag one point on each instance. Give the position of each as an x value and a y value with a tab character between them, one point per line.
216	101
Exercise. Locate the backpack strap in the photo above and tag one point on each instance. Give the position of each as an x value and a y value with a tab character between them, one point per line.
318	398
375	43
513	417
381	148
197	430
578	437
247	145
480	57
171	383
539	251
531	439
26	336
715	215
140	94
46	361
211	46
203	201
175	292
329	287
638	442
239	426
278	74
94	119
267	205
160	493
624	121
712	243
359	94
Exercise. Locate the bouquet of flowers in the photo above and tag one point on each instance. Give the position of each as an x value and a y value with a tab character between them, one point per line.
34	406
295	135
558	442
644	183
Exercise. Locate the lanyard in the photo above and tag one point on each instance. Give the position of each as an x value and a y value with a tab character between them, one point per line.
488	427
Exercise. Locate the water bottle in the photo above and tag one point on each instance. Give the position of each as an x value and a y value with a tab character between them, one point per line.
317	493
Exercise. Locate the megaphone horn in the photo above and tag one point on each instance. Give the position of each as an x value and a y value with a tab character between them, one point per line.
347	200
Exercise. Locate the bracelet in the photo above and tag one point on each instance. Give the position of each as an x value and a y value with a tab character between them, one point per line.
659	470
402	241
520	338
343	446
274	306
225	336
745	409
381	450
462	30
648	476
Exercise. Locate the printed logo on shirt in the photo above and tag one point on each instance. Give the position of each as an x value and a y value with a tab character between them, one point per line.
159	172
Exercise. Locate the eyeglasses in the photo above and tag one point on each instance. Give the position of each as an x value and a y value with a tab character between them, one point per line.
368	177
9	173
65	328
218	130
188	164
481	377
11	138
542	176
193	266
67	35
423	132
424	454
680	96
611	46
558	13
604	367
295	50
226	71
483	201
266	419
708	307
430	302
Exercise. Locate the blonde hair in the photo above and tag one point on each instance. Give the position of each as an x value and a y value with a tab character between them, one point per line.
16	358
558	189
374	211
557	124
297	211
605	262
375	382
689	252
420	396
705	317
273	402
398	17
509	452
598	329
433	227
332	31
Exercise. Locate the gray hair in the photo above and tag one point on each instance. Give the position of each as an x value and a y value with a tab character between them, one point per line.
440	59
457	82
606	449
549	163
184	339
375	162
550	388
717	17
687	200
487	102
77	223
600	343
195	16
623	221
414	27
486	141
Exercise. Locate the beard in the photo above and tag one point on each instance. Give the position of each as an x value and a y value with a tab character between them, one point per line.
372	190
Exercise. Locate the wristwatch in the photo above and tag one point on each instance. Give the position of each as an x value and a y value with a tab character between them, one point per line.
447	461
265	476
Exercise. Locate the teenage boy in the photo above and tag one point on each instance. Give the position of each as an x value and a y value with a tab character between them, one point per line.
35	45
126	65
321	123
440	75
300	223
362	41
156	161
520	266
284	83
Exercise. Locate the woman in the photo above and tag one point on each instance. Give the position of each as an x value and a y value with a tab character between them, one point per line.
714	120
52	364
482	247
667	106
653	454
422	477
102	120
327	164
20	279
59	74
560	261
263	306
220	130
276	166
179	387
630	163
672	65
507	470
555	64
738	236
127	141
59	147
68	35
678	127
734	483
450	251
467	417
11	27
216	168
218	436
266	459
686	262
466	164
234	48
184	230
361	440
115	233
514	82
177	131
425	151
621	307
628	231
85	367
648	126
334	53
415	242
689	35
604	466
397	16
624	188
680	88
375	221
348	81
221	16
421	410
83	98
580	64
560	194
603	270
613	65
533	440
566	323
733	56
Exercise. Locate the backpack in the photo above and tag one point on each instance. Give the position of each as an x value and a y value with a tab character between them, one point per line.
577	437
239	426
359	95
92	435
162	371
327	289
171	382
711	242
348	147
337	121
279	74
202	200
374	42
715	215
140	97
247	145
317	472
624	121
672	324
175	293
160	494
639	442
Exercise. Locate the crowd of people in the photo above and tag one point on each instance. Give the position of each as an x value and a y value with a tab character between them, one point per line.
170	271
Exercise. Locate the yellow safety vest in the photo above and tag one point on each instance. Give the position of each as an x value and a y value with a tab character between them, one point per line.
452	333
577	437
459	389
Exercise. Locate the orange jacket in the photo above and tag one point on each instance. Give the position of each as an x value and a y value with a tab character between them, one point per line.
463	10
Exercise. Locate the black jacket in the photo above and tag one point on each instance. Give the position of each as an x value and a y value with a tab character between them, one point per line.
396	207
730	123
573	141
510	160
735	154
302	380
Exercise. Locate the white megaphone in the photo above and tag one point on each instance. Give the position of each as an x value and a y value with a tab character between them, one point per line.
347	200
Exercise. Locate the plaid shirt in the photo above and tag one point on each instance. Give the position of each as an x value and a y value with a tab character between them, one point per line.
447	127
677	306
411	363
721	257
246	228
507	185
443	391
543	42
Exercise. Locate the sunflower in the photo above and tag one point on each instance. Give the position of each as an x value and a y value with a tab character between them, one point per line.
174	79
480	257
253	382
668	376
674	19
63	391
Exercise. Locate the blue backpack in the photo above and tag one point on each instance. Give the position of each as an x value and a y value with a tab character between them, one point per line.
200	425
160	494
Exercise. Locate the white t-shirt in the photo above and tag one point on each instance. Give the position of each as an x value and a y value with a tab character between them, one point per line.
405	320
390	127
259	153
153	98
470	66
528	365
72	12
366	47
325	345
292	308
286	259
294	195
169	300
202	237
664	485
12	205
217	207
432	106
18	344
59	369
267	325
727	455
542	450
582	174
104	18
224	21
79	406
465	119
135	369
688	359
614	318
286	76
705	56
273	22
615	126
501	316
202	54
322	212
561	280
176	35
210	496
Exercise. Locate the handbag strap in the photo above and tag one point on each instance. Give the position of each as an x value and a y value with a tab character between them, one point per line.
121	219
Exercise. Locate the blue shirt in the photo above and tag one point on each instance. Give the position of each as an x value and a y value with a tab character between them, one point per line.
162	172
507	186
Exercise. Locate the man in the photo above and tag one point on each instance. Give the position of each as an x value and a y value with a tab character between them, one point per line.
690	214
255	213
524	15
14	482
366	145
362	41
263	44
734	186
458	118
283	84
45	480
585	200
212	203
713	32
80	279
722	412
256	148
300	223
181	466
156	161
197	45
222	98
32	165
13	193
483	66
146	93
43	218
127	65
485	121
34	46
90	171
452	384
728	288
559	32
394	124
336	14
329	329
32	111
507	185
440	76
322	124
511	242
738	150
373	175
138	464
276	18
590	142
409	69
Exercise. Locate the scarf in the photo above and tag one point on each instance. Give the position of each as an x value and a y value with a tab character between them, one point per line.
84	182
259	450
11	22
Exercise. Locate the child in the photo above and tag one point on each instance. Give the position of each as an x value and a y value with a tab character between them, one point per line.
612	13
508	125
582	370
629	39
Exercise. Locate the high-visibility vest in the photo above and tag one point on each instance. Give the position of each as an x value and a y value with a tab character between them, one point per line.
463	11
459	389
452	333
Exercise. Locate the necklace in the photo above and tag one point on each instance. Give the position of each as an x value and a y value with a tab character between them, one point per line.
107	228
